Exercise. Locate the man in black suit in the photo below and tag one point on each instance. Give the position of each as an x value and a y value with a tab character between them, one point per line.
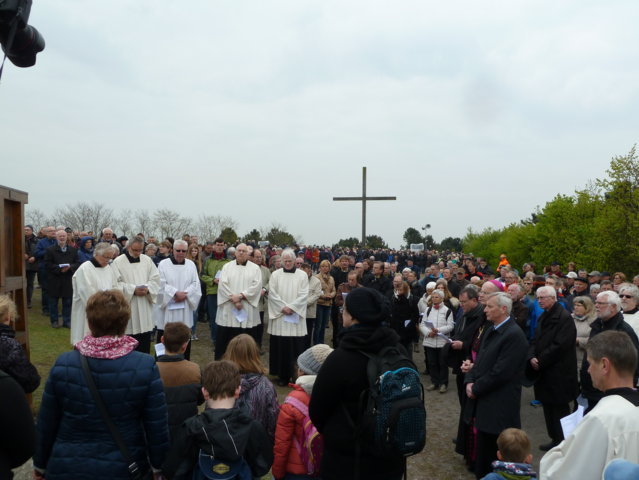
552	360
61	261
493	384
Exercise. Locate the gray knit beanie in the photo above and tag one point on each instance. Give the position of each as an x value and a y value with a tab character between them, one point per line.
311	360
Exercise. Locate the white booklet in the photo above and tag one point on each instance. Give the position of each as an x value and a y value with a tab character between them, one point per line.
292	318
175	305
570	422
240	315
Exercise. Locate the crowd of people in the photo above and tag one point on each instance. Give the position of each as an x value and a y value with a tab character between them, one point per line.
571	335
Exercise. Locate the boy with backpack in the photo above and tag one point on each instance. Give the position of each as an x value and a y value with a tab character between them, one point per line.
298	444
222	442
371	422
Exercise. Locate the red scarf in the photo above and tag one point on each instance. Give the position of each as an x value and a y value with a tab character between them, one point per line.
106	347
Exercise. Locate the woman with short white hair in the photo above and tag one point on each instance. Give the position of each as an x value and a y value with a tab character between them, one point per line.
91	277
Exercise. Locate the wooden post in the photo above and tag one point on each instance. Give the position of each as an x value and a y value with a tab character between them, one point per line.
12	267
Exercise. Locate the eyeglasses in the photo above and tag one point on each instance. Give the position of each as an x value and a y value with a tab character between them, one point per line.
602	303
181	251
623	295
542	297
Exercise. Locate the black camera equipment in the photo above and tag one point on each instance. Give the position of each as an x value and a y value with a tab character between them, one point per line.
20	41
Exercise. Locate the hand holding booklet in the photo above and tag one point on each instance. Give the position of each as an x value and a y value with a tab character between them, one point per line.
445	337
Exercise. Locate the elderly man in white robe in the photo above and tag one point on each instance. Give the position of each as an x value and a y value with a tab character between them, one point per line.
91	277
238	297
180	291
140	282
287	301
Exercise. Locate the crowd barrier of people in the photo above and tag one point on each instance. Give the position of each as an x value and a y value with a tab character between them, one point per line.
571	335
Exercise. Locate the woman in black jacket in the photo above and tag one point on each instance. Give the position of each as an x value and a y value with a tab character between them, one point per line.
335	403
404	314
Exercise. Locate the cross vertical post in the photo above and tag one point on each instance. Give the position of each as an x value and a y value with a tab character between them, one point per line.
363	199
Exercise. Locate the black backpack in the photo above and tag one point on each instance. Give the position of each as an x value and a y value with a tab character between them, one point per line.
394	415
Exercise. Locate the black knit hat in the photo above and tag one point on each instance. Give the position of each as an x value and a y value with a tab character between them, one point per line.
367	306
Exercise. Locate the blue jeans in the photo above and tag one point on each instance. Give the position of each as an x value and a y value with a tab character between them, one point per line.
211	306
66	310
323	313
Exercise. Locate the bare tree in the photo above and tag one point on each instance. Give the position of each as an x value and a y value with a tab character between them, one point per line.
36	218
209	227
170	223
144	222
123	224
84	216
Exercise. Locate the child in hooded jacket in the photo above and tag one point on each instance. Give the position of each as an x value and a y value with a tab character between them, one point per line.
287	462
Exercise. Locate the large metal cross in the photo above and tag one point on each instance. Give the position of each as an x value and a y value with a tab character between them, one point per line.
362	199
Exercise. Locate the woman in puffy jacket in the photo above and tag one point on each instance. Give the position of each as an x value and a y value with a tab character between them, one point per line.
13	360
287	462
437	322
74	442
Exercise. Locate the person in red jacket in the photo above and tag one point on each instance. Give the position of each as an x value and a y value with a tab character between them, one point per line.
287	461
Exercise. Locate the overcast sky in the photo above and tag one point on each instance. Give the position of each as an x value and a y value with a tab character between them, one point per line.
471	113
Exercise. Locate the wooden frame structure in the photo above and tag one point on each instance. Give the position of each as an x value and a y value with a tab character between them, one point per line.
12	267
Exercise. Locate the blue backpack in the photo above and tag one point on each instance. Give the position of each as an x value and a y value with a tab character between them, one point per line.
394	415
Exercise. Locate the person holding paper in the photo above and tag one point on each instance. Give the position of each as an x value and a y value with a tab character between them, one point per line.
287	302
552	363
238	296
437	319
611	429
180	291
61	261
140	282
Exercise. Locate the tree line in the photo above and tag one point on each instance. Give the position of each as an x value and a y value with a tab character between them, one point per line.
162	223
597	227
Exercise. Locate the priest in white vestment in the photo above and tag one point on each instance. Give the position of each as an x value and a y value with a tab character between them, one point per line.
179	289
287	301
140	282
238	296
93	276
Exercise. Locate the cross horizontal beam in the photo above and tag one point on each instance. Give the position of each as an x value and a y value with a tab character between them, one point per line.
342	199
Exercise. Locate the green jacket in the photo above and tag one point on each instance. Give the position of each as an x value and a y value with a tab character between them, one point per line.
210	269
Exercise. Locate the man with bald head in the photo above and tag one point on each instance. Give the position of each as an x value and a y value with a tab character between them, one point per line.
238	297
